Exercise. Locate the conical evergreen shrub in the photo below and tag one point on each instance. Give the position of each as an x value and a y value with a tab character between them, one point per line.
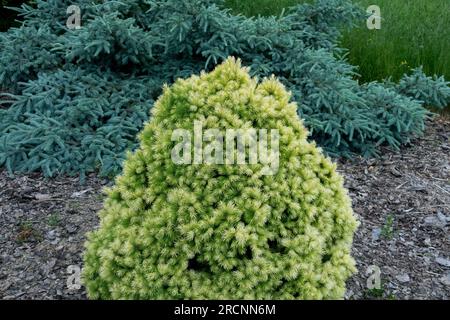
223	231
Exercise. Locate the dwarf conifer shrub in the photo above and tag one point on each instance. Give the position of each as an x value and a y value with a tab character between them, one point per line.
223	231
432	91
92	119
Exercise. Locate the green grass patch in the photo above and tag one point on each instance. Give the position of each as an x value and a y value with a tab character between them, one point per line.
251	8
387	231
413	33
54	220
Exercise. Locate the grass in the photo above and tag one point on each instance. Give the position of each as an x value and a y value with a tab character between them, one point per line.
387	231
53	220
261	7
374	293
378	294
413	33
27	232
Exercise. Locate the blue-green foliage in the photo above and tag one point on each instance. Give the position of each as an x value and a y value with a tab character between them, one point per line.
25	52
431	91
85	93
40	131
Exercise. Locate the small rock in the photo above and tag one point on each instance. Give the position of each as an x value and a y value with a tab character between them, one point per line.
71	228
80	193
435	222
427	242
391	286
49	265
349	294
443	262
444	219
446	280
42	196
395	172
403	278
51	235
5	285
27	190
376	234
393	247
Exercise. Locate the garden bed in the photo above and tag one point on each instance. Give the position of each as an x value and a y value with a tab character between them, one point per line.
402	200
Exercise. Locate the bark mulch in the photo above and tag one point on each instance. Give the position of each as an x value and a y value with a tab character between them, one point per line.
402	200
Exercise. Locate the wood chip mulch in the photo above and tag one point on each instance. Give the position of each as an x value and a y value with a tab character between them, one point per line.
402	200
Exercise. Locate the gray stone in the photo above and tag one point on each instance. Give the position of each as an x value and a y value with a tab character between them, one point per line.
435	222
71	229
443	218
51	235
403	278
376	234
446	279
443	262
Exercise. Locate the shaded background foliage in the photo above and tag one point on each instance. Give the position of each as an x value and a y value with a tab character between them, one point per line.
8	16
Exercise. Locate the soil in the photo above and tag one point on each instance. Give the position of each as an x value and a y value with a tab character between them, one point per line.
402	200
